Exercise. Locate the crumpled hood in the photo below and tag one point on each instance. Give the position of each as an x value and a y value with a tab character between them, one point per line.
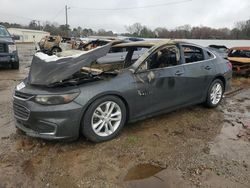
46	70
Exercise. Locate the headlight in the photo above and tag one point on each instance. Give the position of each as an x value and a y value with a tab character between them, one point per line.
12	48
55	99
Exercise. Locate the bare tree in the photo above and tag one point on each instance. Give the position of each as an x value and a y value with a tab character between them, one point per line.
134	29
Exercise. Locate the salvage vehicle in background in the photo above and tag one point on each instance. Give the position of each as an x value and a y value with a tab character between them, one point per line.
220	49
53	44
119	54
64	97
240	59
8	49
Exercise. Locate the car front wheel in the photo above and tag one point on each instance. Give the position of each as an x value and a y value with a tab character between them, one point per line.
215	94
104	119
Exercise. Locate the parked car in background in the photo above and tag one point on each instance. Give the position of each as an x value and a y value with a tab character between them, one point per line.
118	53
8	49
220	49
240	59
64	97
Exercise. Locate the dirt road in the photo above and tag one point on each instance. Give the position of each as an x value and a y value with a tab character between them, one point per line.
192	147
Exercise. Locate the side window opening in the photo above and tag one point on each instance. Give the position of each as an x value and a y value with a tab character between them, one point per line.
209	55
193	54
165	57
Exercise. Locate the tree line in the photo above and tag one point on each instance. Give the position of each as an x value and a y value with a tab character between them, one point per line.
241	30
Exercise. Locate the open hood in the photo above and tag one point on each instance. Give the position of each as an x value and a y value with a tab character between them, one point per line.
46	70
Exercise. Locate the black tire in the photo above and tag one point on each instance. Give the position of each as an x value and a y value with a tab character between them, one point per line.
86	125
209	102
15	65
55	50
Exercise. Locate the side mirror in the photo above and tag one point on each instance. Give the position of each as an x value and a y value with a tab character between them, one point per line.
15	37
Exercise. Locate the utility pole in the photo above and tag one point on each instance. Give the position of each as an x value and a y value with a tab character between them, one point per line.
39	24
67	24
66	13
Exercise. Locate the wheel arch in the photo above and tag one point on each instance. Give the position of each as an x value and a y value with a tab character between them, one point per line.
116	94
222	78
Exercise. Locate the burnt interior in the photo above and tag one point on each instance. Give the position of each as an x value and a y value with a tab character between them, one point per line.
100	71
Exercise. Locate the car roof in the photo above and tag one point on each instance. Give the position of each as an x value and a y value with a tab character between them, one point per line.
148	43
151	43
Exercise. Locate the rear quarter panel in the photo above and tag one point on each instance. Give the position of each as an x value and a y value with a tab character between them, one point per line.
222	69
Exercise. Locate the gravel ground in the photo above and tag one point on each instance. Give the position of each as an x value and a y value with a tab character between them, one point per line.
191	147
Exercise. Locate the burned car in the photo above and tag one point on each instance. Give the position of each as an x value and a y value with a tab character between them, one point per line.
53	44
240	59
65	96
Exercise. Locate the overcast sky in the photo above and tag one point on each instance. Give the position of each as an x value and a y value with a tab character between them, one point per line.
92	13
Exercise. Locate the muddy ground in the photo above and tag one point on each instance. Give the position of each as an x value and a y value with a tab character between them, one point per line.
191	147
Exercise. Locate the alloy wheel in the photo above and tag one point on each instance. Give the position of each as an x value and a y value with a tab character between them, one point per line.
106	118
216	93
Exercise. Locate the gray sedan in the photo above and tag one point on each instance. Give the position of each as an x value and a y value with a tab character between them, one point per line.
64	97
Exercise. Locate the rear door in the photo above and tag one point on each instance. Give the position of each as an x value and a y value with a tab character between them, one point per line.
199	69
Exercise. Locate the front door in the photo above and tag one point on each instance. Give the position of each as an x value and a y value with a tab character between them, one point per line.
159	82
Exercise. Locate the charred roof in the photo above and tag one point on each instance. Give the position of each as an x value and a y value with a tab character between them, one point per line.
145	43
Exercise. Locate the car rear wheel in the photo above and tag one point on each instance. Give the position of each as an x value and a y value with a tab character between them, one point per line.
215	94
104	119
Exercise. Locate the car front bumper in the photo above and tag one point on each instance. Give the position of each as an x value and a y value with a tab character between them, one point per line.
48	122
8	57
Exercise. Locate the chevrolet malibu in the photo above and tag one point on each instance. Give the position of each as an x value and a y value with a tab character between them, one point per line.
70	94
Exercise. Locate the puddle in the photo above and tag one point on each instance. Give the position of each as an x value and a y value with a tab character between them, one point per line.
234	138
142	171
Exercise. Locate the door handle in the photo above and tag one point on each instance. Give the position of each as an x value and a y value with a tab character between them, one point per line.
179	73
208	68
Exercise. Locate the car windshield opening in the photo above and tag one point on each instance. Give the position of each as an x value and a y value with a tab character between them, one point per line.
4	32
239	53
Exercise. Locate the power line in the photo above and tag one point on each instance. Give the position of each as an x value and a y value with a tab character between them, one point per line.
133	8
58	13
